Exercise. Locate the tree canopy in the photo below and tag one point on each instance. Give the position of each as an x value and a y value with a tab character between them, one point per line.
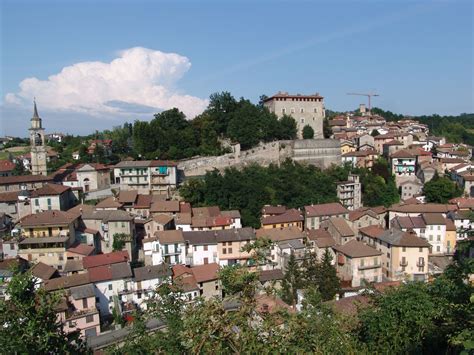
441	189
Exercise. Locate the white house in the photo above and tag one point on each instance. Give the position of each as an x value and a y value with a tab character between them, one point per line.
165	247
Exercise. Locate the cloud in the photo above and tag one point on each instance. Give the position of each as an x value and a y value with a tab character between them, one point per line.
138	80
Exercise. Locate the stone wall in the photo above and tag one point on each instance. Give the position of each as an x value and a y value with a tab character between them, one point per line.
319	152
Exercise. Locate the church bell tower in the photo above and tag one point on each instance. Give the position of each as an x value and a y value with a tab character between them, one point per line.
38	149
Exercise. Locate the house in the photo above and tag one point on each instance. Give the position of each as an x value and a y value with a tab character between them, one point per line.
466	181
285	240
358	263
364	217
201	247
42	272
435	232
361	158
52	197
212	218
110	224
159	222
320	241
339	229
185	282
6	168
315	214
7	267
404	254
78	311
270	278
403	163
8	203
205	278
110	280
289	218
410	224
93	177
165	247
144	283
147	176
268	210
23	182
47	235
410	188
230	243
462	222
350	192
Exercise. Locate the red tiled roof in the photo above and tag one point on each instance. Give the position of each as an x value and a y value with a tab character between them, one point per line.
356	249
272	210
9	196
207	272
402	154
50	190
325	209
105	259
6	180
51	217
288	216
82	249
372	231
6	165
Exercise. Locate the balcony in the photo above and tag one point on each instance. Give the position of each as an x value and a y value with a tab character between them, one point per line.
177	251
403	263
420	263
367	267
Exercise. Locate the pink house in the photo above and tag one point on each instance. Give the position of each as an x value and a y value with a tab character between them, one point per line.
78	311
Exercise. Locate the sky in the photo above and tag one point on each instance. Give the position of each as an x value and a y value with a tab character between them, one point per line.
93	65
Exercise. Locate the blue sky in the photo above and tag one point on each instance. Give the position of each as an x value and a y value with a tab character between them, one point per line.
418	55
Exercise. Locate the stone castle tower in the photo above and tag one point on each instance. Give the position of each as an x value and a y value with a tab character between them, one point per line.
38	149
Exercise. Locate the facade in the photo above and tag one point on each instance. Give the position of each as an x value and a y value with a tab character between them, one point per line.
52	197
403	163
315	214
165	247
305	109
92	177
410	188
37	142
46	236
339	229
435	232
357	263
146	176
289	218
350	192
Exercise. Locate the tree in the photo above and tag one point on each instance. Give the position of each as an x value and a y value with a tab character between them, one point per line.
30	323
375	133
326	279
308	132
120	240
287	128
441	190
292	281
327	131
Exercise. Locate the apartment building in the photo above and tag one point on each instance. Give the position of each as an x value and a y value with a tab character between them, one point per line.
350	192
146	176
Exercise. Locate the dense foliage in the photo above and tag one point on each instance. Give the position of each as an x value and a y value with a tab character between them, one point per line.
29	321
248	190
308	132
456	129
441	189
291	184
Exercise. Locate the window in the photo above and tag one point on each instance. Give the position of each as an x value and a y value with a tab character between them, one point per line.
439	228
420	250
302	110
302	120
89	319
37	203
49	203
439	238
315	110
361	262
438	248
205	247
206	261
110	287
224	251
60	257
123	224
404	249
292	110
110	299
139	295
230	250
283	110
84	303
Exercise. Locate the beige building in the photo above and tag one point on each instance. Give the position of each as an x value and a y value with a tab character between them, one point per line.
305	109
46	236
404	255
315	214
91	177
339	229
357	263
350	192
52	197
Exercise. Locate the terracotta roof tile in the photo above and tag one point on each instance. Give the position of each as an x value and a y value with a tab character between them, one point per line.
288	216
105	259
325	209
356	249
50	217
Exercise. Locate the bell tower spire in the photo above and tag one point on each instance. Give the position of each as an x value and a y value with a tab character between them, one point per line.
37	143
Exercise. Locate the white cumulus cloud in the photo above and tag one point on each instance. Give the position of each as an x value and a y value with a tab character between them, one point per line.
138	78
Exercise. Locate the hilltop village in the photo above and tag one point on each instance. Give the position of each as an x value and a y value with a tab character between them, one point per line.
109	235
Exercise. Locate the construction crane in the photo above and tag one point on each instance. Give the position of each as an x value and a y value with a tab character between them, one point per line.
368	95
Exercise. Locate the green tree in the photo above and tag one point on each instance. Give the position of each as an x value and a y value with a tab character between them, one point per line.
375	133
287	128
308	132
327	131
120	240
326	278
292	281
29	321
441	190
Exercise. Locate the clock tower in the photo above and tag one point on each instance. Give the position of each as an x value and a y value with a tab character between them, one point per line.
38	149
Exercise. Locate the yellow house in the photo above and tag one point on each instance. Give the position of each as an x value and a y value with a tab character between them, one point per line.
450	239
347	147
46	237
290	218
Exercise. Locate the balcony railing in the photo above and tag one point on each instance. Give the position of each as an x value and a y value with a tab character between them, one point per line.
403	263
177	251
367	267
420	263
